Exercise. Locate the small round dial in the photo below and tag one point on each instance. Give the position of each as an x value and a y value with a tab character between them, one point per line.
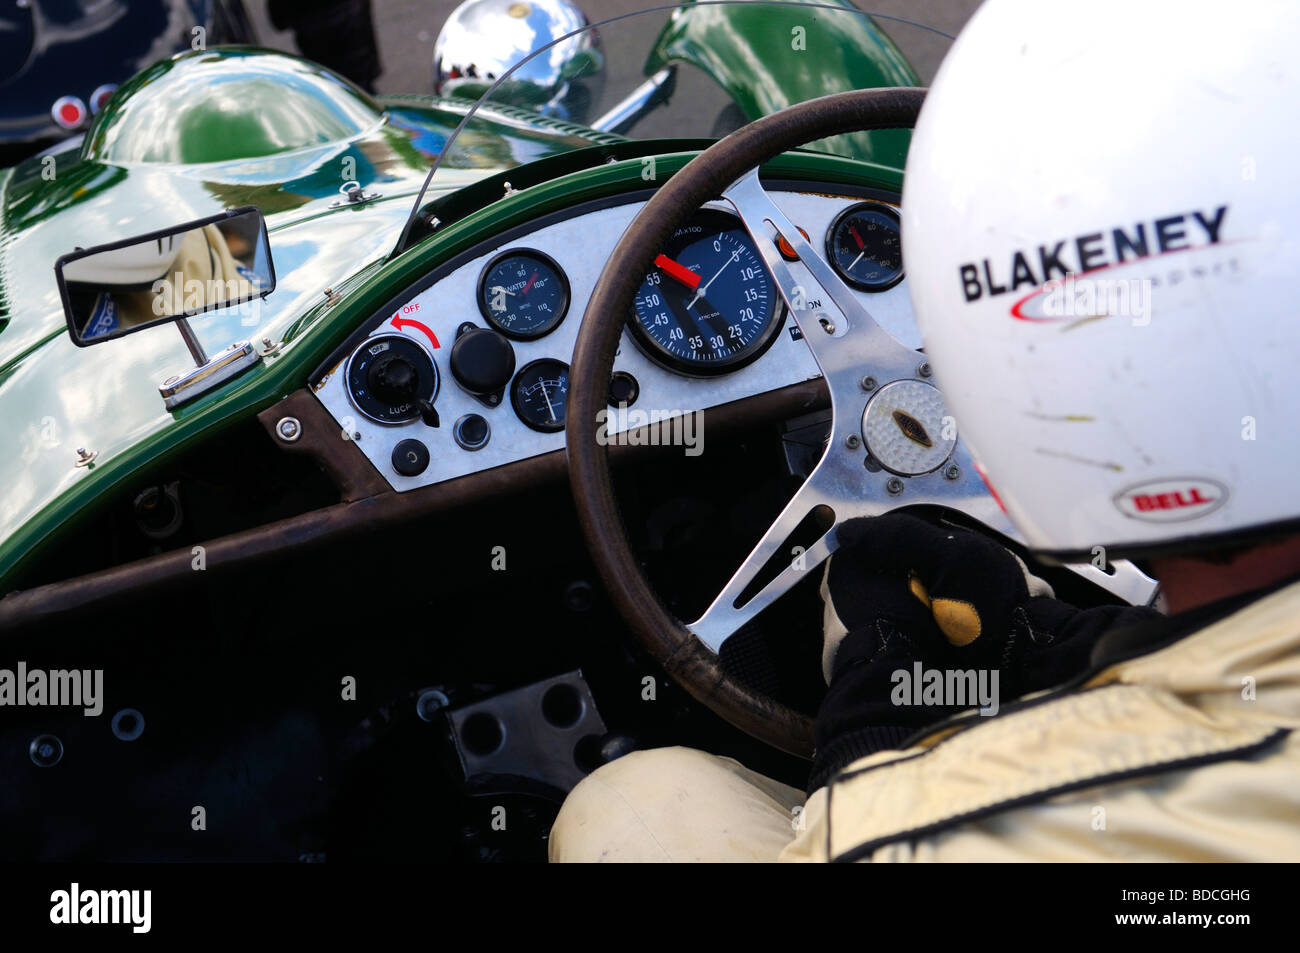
708	304
539	394
388	376
523	294
865	246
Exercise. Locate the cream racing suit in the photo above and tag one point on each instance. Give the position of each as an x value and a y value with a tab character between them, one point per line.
1178	746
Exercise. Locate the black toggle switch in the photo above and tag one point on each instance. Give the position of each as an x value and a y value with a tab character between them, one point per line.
428	413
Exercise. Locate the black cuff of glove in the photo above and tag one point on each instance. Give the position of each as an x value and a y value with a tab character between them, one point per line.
847	748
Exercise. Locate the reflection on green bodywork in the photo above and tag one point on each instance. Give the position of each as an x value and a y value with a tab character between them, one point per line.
238	103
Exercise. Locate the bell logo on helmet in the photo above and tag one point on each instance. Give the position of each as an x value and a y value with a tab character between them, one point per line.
1091	252
1167	501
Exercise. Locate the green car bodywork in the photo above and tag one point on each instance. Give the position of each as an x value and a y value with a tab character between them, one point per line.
211	130
769	57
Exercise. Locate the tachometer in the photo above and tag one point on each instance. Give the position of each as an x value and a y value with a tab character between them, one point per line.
708	306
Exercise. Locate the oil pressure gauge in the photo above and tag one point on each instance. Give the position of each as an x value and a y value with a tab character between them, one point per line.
539	393
865	246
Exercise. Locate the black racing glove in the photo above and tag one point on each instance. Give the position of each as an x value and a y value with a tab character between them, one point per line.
931	621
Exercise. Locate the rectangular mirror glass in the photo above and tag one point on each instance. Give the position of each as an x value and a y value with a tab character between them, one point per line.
131	285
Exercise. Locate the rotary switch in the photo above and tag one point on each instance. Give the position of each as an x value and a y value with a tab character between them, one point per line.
392	379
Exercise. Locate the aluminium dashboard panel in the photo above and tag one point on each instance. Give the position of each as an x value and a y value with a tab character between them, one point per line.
580	246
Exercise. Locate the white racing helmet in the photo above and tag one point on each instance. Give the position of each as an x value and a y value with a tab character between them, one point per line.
1101	212
137	264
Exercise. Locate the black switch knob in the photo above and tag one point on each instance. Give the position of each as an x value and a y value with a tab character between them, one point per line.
623	389
472	432
393	379
410	458
482	361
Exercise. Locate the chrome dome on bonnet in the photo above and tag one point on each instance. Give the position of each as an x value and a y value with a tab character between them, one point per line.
482	39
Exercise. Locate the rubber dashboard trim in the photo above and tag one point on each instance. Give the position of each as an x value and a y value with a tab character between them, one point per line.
438	272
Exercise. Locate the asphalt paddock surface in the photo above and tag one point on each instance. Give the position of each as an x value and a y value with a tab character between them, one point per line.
406	30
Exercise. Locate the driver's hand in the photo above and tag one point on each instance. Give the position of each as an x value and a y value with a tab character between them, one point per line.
960	583
902	591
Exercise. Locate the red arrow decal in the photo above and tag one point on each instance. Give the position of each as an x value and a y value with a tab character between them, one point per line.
400	323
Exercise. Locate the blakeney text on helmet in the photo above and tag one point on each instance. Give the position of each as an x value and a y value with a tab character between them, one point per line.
1084	253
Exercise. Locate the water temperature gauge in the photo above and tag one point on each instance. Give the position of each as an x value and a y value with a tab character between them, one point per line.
523	294
539	393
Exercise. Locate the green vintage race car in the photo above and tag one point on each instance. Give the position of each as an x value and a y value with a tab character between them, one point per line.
397	511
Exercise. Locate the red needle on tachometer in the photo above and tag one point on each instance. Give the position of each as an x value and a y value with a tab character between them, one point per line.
678	272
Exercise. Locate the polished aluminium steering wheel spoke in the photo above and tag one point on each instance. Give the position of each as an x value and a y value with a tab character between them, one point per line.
846	341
